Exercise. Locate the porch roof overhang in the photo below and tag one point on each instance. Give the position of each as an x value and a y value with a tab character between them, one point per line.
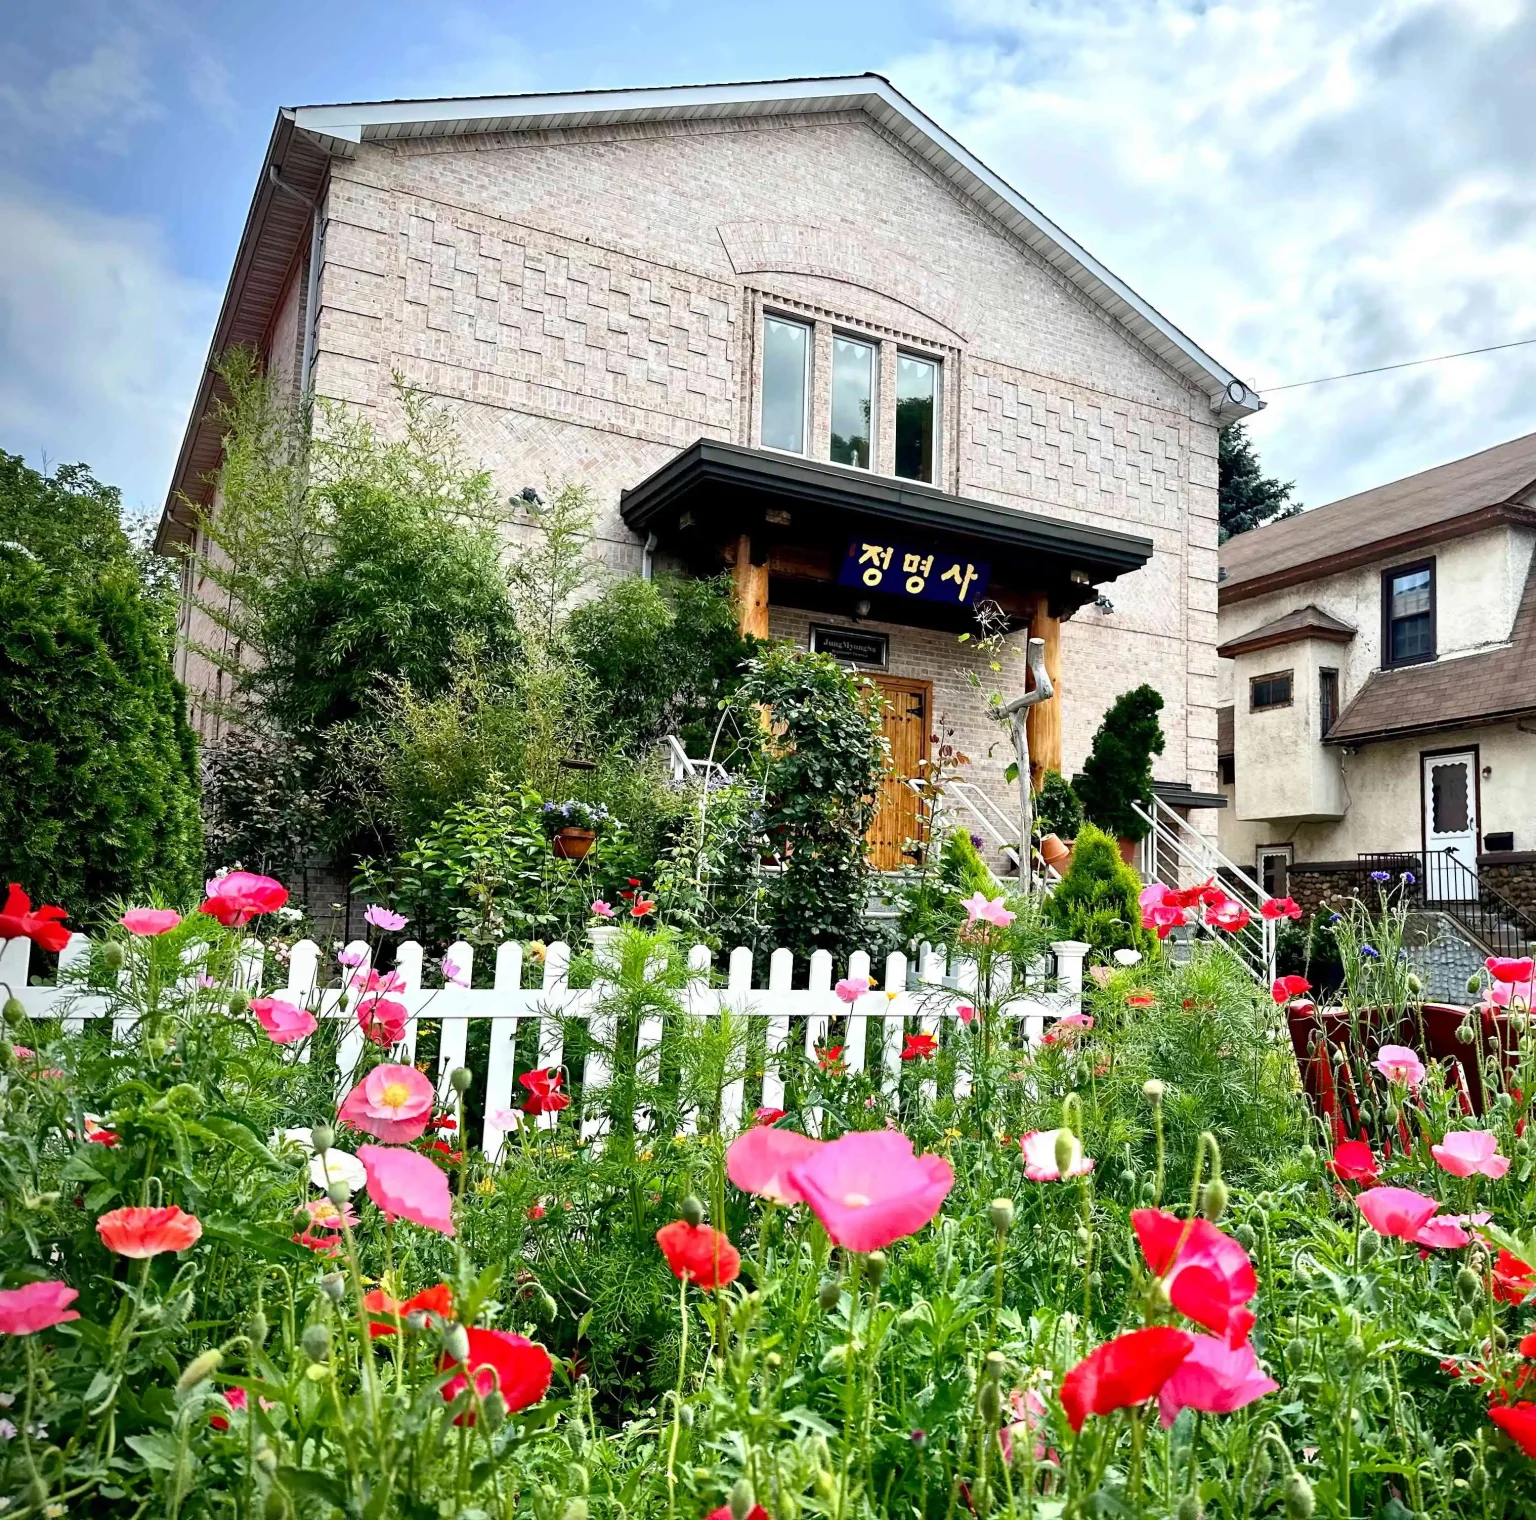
800	513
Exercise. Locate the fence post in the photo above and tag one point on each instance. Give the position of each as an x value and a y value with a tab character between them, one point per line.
501	1066
453	1028
967	980
76	955
781	968
557	978
894	1025
602	1029
738	987
349	1049
1070	954
408	968
696	1001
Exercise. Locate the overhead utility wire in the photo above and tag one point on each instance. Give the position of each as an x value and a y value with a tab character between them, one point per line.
1381	369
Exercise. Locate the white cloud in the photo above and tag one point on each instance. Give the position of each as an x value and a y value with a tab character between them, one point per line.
97	99
101	343
1304	187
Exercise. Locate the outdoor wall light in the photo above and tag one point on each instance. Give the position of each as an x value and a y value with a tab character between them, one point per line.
1487	772
1081	578
861	607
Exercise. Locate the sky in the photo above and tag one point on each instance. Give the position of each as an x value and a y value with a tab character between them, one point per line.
1305	187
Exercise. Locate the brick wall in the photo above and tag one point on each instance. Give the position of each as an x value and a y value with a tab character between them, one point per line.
583	301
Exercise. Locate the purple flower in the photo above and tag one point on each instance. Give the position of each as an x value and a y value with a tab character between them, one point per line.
453	972
384	918
1370	952
1381	876
977	841
351	957
1409	877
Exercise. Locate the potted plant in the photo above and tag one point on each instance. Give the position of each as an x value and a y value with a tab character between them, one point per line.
1118	770
1058	817
572	826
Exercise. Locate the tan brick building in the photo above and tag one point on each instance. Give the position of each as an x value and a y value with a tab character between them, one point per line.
772	326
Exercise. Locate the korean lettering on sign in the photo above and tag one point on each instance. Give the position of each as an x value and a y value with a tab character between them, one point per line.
900	570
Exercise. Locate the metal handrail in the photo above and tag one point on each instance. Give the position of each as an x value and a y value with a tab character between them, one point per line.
1504	927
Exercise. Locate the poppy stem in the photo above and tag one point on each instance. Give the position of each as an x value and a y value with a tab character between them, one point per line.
850	1364
677	1400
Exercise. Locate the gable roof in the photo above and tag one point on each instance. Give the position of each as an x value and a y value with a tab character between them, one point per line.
305	137
1307	622
1403	515
1467	691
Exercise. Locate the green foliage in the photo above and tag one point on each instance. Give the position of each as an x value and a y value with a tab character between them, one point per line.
662	655
1118	770
1096	901
1247	497
260	804
825	757
1057	808
100	797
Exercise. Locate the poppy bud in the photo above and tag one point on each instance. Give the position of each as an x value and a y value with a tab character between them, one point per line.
267	1461
1128	1179
1369	1244
461	1079
826	1486
334	1286
1153	1091
830	1293
238	1003
256	1327
1466	1316
995	1365
1295	1353
1465	1033
991	1402
1414	985
547	1306
1468	1287
316	1341
338	1193
455	1342
1244	1236
1299	1502
113	956
1190	1508
773	1361
1213	1201
1149	1189
1354	1353
322	1137
15	1013
742	1499
692	1211
874	1268
575	1509
1474	984
1001	1214
685	1416
1477	1479
1499	1338
1068	1151
199	1370
7	1052
418	1319
493	1407
37	1493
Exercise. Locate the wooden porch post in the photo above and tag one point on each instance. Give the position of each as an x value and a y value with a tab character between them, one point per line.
749	587
1044	719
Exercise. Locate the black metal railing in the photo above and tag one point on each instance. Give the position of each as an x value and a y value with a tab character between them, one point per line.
1441	881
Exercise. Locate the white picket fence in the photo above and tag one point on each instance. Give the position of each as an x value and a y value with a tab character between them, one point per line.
507	1006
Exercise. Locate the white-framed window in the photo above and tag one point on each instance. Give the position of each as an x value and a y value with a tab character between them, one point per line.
786	386
917	416
1273	862
855	401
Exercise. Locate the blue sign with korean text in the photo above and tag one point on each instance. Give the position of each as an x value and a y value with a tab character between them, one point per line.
900	570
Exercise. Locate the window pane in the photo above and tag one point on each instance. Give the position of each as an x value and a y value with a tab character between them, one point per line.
1410	593
917	407
786	346
1270	691
1449	806
853	401
1411	638
1328	698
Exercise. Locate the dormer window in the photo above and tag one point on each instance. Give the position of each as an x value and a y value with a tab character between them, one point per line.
1408	614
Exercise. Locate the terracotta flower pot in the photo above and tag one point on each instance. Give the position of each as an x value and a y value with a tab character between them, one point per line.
1055	852
1128	848
572	844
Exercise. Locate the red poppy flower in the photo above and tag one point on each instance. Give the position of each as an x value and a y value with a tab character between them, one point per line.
1518	1422
544	1095
321	1242
1513	1279
768	1115
699	1254
641	908
535	1210
438	1301
138	1233
443	1149
1128	1370
1354	1161
757	1512
383	1020
830	1057
497	1360
1279	907
18	921
1140	998
919	1047
1500	968
1208	1274
238	896
1287	987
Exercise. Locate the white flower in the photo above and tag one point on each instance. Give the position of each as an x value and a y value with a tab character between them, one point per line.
7	1431
1127	957
335	1166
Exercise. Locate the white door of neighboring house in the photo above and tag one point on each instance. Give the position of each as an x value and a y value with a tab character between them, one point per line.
1450	826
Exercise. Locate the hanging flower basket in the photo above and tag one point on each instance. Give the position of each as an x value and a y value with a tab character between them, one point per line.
572	826
572	844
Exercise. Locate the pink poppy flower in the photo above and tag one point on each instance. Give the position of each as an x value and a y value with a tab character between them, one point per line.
1505	969
1397	1063
965	1013
1039	1147
1208	1275
600	909
768	1115
990	910
282	1021
1228	914
150	921
350	958
325	1215
37	1306
406	1185
1442	1233
1161	910
238	897
1470	1152
392	1103
1214	1377
760	1159
869	1189
383	1020
1395	1211
384	918
1027	1410
1507	994
454	974
851	988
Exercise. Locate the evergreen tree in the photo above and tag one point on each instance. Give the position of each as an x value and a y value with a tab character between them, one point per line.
1248	497
1118	770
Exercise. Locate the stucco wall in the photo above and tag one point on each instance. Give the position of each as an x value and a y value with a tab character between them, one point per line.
585	302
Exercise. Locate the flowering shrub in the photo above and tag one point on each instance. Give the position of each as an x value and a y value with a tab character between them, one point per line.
1120	1272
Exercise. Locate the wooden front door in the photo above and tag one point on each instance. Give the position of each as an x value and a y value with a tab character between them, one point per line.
908	713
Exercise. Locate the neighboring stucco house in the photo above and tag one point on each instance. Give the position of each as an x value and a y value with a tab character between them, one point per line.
791	329
1378	666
